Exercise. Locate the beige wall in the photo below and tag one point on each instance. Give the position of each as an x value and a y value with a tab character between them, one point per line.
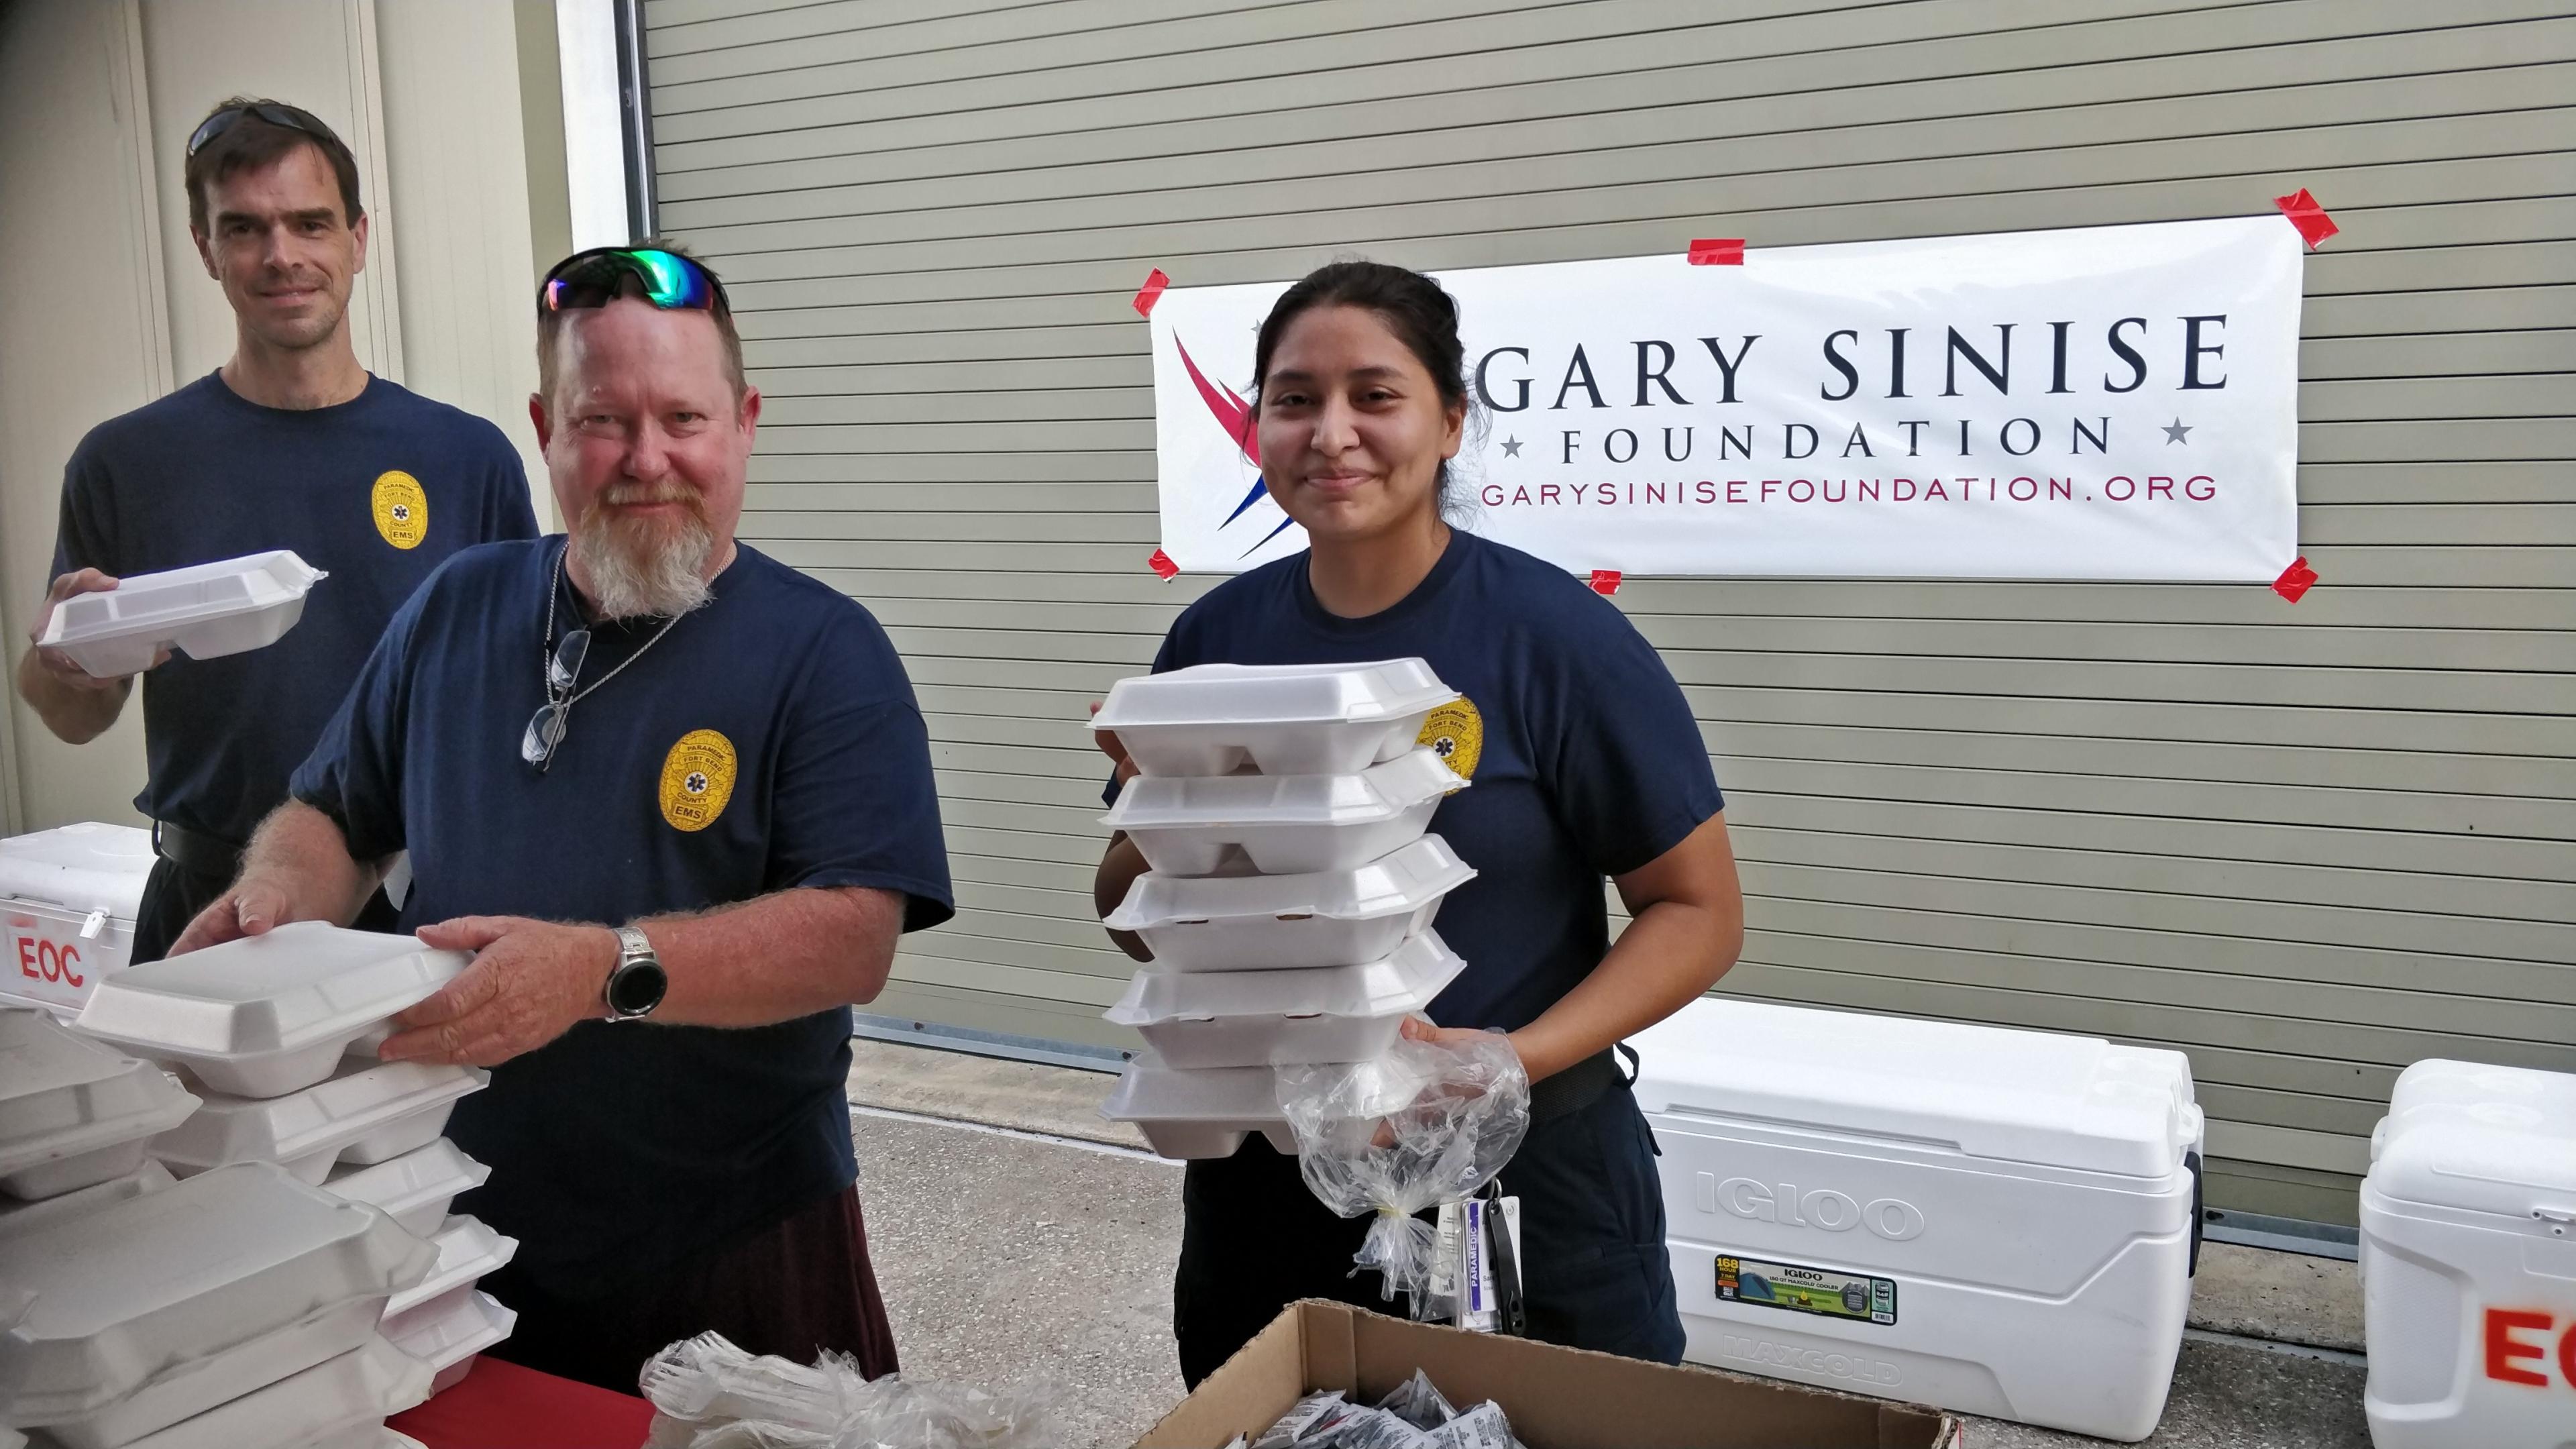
108	306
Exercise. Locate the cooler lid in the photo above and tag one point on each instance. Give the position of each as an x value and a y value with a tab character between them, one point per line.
2011	1096
2480	1138
88	867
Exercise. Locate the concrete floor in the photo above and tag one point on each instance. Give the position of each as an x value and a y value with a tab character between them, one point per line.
1018	1238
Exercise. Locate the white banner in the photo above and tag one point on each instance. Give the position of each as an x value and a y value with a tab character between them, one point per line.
2109	403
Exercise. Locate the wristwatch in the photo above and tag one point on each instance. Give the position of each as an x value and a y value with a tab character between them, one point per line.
636	986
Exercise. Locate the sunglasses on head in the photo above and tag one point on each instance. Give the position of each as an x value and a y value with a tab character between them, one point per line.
601	275
276	115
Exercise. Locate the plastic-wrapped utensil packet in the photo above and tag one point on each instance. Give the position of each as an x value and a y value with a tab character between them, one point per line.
1418	1403
1367	1428
710	1394
1426	1123
1309	1413
1329	1421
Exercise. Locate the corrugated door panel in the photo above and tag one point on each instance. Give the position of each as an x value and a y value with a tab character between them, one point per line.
2306	844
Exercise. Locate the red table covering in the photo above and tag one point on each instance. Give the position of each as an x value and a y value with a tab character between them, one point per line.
503	1406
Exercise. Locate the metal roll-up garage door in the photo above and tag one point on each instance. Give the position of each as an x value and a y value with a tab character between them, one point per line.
2307	844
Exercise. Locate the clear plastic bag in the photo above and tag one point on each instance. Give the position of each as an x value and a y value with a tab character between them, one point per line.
709	1394
1426	1123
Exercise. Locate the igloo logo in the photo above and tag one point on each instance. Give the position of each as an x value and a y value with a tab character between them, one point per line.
1892	1218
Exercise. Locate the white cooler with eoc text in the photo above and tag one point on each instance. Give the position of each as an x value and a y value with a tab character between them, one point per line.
2468	1260
1997	1222
68	898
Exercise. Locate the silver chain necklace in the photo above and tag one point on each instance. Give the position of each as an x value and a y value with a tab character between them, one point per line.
554	717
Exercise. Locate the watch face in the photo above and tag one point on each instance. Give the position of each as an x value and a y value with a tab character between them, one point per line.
636	988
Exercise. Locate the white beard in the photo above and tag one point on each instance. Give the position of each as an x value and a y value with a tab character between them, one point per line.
638	570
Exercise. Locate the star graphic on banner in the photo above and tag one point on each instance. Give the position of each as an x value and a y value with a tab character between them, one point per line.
2175	434
1511	447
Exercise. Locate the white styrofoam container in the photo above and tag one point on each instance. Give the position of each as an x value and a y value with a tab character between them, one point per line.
1280	719
1205	1113
392	1440
2468	1260
449	1342
69	896
340	1400
368	1113
467	1251
160	1307
1281	824
1196	1019
1999	1222
206	610
266	1015
74	1113
1291	922
26	1217
415	1188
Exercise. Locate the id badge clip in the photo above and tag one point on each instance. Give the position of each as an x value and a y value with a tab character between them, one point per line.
1482	1274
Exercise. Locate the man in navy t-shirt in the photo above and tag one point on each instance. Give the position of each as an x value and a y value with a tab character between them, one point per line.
291	445
677	797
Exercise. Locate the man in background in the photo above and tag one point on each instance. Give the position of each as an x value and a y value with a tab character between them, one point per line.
289	445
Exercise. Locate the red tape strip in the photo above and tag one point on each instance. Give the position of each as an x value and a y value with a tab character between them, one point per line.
1146	295
2304	213
2295	580
1724	251
1161	563
1605	581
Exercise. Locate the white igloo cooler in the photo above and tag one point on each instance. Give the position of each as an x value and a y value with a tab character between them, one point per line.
1998	1222
68	897
2468	1260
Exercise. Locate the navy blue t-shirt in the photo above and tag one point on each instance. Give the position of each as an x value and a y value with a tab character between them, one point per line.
377	492
1583	758
768	741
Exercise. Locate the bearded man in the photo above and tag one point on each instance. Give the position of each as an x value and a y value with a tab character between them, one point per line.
676	797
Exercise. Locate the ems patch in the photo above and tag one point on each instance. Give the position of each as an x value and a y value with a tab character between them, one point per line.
401	508
697	780
1457	733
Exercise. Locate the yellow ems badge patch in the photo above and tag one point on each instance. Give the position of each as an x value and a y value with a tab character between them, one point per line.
1457	733
697	780
401	508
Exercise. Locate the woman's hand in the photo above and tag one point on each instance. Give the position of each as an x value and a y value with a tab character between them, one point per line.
1117	753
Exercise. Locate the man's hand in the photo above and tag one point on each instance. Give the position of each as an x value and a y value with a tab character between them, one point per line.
56	664
257	904
530	982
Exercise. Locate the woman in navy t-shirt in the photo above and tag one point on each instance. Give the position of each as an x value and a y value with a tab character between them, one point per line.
1585	763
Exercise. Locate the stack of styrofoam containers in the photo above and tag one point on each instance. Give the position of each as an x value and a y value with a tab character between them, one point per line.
237	1307
1282	810
280	1031
68	897
2468	1260
205	610
76	1121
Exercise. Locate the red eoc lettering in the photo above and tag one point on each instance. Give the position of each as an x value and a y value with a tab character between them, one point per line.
42	960
2503	1349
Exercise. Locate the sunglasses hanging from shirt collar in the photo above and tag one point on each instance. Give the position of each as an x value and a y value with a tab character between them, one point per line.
601	275
553	719
291	117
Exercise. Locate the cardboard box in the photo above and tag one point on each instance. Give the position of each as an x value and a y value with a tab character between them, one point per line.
1557	1398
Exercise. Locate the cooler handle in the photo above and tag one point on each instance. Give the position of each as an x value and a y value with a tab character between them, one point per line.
2191	1164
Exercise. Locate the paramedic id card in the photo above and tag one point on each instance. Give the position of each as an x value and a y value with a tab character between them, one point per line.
1820	1291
